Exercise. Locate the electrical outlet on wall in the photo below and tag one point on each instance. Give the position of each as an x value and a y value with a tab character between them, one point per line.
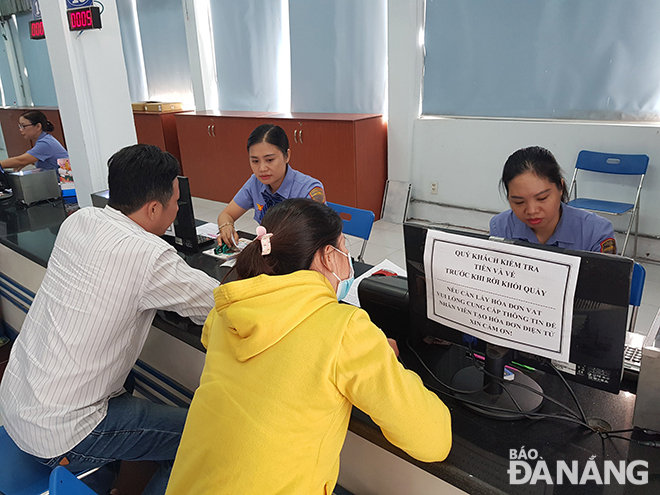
434	187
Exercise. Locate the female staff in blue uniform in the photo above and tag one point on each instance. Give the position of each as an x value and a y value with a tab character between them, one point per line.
273	180
34	126
539	214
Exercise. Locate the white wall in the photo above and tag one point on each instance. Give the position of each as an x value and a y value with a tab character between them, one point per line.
92	92
466	156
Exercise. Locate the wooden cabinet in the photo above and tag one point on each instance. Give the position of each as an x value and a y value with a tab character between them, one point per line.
151	127
158	128
14	141
346	152
213	151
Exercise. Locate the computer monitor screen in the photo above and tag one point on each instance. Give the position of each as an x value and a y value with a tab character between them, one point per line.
599	319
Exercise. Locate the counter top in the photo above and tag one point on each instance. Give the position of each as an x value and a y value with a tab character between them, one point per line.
31	231
480	457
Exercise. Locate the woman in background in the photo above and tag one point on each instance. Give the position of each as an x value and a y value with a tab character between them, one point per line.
285	362
34	126
537	194
272	181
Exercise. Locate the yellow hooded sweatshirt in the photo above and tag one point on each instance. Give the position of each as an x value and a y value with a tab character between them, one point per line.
284	363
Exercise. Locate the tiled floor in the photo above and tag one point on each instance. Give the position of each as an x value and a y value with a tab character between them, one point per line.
386	242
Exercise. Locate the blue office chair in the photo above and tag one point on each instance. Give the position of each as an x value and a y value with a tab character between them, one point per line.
610	163
357	223
636	290
62	482
20	474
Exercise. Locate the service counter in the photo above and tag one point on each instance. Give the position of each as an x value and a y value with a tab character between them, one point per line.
480	461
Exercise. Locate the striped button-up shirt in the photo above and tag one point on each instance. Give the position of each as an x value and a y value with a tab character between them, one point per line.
106	278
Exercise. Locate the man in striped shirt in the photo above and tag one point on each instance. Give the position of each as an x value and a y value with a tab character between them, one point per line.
62	398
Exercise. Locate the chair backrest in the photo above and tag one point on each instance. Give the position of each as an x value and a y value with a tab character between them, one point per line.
358	223
62	482
612	163
636	291
637	285
20	473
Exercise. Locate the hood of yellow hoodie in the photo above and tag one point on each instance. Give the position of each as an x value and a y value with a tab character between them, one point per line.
258	312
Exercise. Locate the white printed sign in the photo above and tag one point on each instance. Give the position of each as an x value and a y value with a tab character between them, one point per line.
513	296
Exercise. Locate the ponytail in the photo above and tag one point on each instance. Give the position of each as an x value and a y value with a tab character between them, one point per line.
299	228
253	262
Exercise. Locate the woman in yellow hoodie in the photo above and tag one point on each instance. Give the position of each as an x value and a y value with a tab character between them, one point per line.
284	364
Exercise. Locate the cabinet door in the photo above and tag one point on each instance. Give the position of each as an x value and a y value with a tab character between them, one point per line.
170	134
371	163
149	129
199	155
325	150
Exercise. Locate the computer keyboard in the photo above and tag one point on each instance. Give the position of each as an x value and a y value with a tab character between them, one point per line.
632	358
632	352
203	240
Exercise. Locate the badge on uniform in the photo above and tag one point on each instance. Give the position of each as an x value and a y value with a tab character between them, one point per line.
317	194
608	246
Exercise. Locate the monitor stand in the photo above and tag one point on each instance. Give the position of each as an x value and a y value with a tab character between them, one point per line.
493	393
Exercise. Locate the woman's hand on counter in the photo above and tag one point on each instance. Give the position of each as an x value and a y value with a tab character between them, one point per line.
227	235
226	231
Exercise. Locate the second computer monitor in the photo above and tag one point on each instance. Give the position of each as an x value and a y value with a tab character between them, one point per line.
600	312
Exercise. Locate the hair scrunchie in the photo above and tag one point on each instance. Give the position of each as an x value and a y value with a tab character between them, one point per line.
264	237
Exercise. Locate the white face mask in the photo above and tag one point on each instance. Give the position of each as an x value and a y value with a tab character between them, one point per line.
344	285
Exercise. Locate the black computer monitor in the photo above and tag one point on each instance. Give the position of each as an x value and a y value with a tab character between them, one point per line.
600	313
183	232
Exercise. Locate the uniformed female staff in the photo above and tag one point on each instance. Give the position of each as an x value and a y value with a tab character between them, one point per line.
34	125
273	180
539	214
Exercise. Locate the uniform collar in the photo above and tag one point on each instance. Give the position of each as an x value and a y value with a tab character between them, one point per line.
567	228
285	188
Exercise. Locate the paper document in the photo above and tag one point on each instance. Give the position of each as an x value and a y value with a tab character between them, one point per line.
228	256
513	296
352	297
208	229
